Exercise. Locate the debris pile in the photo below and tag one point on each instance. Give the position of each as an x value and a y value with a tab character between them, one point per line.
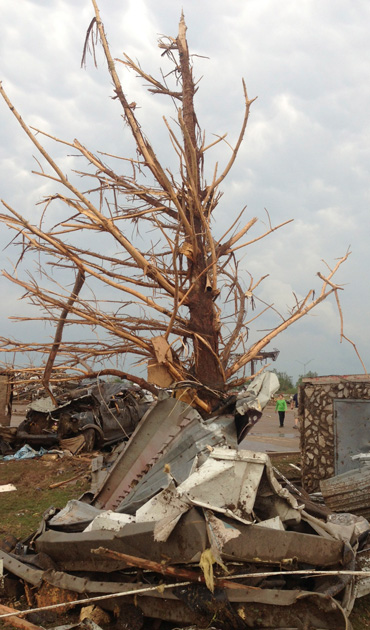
84	419
185	528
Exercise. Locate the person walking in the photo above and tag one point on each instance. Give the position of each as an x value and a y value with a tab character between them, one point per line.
281	408
294	406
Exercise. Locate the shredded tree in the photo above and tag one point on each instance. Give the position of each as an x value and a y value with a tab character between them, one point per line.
142	268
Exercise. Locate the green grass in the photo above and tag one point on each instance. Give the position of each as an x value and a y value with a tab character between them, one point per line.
21	510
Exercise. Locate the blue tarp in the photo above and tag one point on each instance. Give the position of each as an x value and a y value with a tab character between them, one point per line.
26	452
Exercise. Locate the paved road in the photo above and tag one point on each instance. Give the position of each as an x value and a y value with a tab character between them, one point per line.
267	436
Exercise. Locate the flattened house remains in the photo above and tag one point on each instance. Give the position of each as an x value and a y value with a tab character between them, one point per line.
181	526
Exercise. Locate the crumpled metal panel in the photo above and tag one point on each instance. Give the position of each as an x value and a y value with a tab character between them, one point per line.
260	608
75	514
225	486
228	482
166	509
261	544
274	607
60	579
149	441
20	569
258	393
186	449
72	552
348	492
109	520
251	401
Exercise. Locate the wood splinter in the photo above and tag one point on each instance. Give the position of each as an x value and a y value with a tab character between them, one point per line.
157	567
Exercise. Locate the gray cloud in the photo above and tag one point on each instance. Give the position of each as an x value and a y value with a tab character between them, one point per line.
307	150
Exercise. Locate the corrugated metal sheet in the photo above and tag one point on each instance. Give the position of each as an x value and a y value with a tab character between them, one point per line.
148	442
349	492
186	448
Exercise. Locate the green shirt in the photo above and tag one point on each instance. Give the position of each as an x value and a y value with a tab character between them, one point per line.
281	405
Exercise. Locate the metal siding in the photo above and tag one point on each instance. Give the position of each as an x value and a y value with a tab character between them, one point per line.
351	432
348	492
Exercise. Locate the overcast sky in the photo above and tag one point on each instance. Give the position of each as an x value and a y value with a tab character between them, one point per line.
306	154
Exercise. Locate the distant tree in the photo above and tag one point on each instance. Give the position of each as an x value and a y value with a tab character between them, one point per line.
308	374
286	381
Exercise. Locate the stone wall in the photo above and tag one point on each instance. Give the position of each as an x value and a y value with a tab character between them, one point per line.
316	397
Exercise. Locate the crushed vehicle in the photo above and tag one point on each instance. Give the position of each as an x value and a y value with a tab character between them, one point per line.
183	527
95	416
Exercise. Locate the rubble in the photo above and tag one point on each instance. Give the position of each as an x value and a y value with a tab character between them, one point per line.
348	492
186	528
92	417
8	487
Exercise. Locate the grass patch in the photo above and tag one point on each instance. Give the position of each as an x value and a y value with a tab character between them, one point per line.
22	510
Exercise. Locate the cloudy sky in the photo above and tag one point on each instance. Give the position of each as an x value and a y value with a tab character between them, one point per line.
306	154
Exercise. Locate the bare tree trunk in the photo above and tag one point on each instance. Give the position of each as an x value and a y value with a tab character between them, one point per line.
80	279
202	313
